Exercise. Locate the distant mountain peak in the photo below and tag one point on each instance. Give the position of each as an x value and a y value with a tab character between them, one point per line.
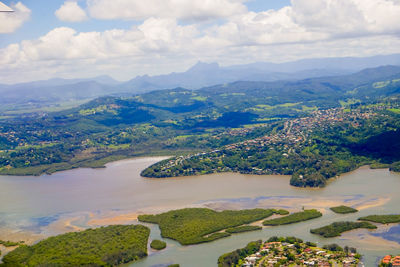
203	66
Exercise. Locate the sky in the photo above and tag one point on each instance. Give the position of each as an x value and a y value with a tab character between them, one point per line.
44	39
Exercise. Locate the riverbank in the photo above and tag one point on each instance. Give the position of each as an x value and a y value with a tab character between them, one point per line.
93	163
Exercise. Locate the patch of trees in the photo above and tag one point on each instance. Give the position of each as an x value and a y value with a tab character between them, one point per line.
336	228
199	225
106	246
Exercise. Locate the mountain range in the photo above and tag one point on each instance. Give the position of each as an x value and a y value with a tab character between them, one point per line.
39	94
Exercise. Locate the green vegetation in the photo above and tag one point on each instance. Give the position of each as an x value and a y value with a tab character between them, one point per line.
395	110
233	258
384	219
158	244
336	228
378	165
395	167
290	239
281	212
333	247
343	209
294	218
304	133
311	150
241	229
382	84
10	243
198	225
106	246
173	265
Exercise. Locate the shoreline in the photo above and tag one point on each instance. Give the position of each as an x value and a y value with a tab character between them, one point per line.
291	198
94	219
91	163
106	164
107	161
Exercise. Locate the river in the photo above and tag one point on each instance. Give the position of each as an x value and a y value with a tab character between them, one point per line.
32	208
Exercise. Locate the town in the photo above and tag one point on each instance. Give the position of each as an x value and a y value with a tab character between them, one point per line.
292	251
293	135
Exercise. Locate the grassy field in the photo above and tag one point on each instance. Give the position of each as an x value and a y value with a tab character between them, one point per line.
336	228
294	218
197	225
106	246
343	209
384	219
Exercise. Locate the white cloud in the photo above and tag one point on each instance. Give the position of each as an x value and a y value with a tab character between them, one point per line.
347	17
192	10
154	36
160	44
11	21
308	21
71	12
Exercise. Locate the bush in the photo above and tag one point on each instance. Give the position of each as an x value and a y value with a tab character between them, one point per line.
333	247
158	244
343	209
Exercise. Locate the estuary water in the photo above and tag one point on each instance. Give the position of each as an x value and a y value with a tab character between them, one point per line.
32	208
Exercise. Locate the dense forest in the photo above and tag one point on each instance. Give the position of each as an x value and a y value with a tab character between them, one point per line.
106	246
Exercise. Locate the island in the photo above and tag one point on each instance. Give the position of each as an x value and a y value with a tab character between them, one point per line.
343	209
198	225
290	251
294	218
105	246
336	228
383	219
158	244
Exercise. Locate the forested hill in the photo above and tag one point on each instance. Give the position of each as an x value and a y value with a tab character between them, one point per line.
311	149
260	99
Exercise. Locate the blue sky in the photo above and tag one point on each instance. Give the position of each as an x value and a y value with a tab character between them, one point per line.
124	38
44	20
